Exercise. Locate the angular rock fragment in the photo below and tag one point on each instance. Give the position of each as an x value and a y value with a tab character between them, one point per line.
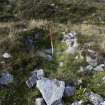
69	91
36	75
5	79
94	98
51	90
40	101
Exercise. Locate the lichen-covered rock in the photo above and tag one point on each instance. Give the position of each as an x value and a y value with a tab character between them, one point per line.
51	90
94	98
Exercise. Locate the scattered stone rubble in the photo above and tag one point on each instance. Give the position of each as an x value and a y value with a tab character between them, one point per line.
51	90
6	79
71	42
95	98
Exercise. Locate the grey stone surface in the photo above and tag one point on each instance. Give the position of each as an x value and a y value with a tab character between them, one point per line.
51	90
6	78
94	98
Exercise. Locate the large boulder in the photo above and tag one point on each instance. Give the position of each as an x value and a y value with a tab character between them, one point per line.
51	90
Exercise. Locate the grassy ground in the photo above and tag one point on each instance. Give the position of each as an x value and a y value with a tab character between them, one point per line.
85	18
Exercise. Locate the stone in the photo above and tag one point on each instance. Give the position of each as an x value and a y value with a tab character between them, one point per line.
91	61
99	68
40	101
102	103
31	81
36	75
51	90
89	68
39	73
45	55
49	58
69	90
61	64
77	102
6	55
94	98
103	79
71	41
6	79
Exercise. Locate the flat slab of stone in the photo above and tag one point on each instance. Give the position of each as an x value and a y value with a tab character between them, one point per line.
51	90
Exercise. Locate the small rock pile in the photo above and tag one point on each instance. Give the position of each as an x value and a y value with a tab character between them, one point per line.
52	90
